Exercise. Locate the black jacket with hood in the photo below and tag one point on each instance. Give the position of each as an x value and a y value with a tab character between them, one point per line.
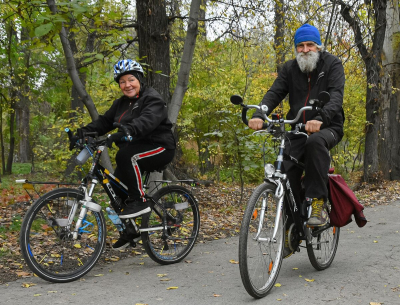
146	118
301	87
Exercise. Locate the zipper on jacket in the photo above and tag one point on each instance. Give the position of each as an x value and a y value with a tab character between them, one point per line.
120	118
308	95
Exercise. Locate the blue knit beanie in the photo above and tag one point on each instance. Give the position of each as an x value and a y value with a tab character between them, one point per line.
307	32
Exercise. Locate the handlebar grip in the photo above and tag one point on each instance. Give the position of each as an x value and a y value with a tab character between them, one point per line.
244	116
128	136
69	133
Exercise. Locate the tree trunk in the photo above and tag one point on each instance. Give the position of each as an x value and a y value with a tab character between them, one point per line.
186	62
72	69
3	162
389	127
372	60
279	37
23	113
202	18
10	158
24	131
154	40
79	86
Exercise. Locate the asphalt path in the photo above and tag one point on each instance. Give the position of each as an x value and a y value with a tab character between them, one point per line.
366	269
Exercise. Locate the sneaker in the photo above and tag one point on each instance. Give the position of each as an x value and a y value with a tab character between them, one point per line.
134	209
286	249
120	244
319	215
124	241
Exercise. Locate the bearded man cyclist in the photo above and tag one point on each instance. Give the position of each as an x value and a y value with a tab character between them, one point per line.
303	78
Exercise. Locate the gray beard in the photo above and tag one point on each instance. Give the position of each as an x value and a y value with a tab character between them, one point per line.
307	62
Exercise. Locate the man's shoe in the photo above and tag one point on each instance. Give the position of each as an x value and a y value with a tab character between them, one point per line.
134	209
319	214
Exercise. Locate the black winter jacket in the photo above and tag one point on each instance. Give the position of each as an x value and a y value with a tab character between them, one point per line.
145	117
301	87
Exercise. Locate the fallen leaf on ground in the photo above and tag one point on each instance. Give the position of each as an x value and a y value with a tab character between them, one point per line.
23	273
310	280
232	261
27	285
173	287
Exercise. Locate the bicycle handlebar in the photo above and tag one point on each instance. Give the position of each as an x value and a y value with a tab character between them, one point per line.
317	105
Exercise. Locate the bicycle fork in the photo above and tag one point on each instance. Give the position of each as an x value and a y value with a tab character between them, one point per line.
278	196
87	204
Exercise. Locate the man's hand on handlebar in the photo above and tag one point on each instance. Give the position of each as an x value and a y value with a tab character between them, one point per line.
256	124
312	126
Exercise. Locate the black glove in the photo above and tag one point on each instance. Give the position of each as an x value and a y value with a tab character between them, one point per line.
115	137
72	142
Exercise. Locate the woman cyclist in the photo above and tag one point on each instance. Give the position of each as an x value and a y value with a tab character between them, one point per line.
143	112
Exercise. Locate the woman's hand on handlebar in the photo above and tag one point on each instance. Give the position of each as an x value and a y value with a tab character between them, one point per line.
256	124
114	138
312	126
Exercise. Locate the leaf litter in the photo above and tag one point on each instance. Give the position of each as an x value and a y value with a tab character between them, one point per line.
221	212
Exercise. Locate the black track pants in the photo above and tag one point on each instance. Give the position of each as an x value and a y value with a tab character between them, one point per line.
134	159
314	153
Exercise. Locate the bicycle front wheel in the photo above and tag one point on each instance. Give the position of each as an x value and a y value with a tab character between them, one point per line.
322	248
47	242
260	253
183	222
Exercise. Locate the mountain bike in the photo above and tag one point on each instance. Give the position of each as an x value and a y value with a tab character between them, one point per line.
265	227
64	232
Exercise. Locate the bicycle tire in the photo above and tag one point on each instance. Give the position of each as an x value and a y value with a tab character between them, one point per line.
322	248
260	261
46	240
183	225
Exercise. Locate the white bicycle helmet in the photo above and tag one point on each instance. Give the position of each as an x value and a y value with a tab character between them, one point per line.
125	66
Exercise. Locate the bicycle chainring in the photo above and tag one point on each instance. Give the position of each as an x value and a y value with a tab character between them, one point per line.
293	238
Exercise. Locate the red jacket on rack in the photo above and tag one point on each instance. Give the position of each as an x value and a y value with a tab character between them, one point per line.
344	203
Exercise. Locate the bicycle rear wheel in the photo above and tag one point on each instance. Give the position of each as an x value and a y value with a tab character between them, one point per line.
183	222
322	248
260	257
46	238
